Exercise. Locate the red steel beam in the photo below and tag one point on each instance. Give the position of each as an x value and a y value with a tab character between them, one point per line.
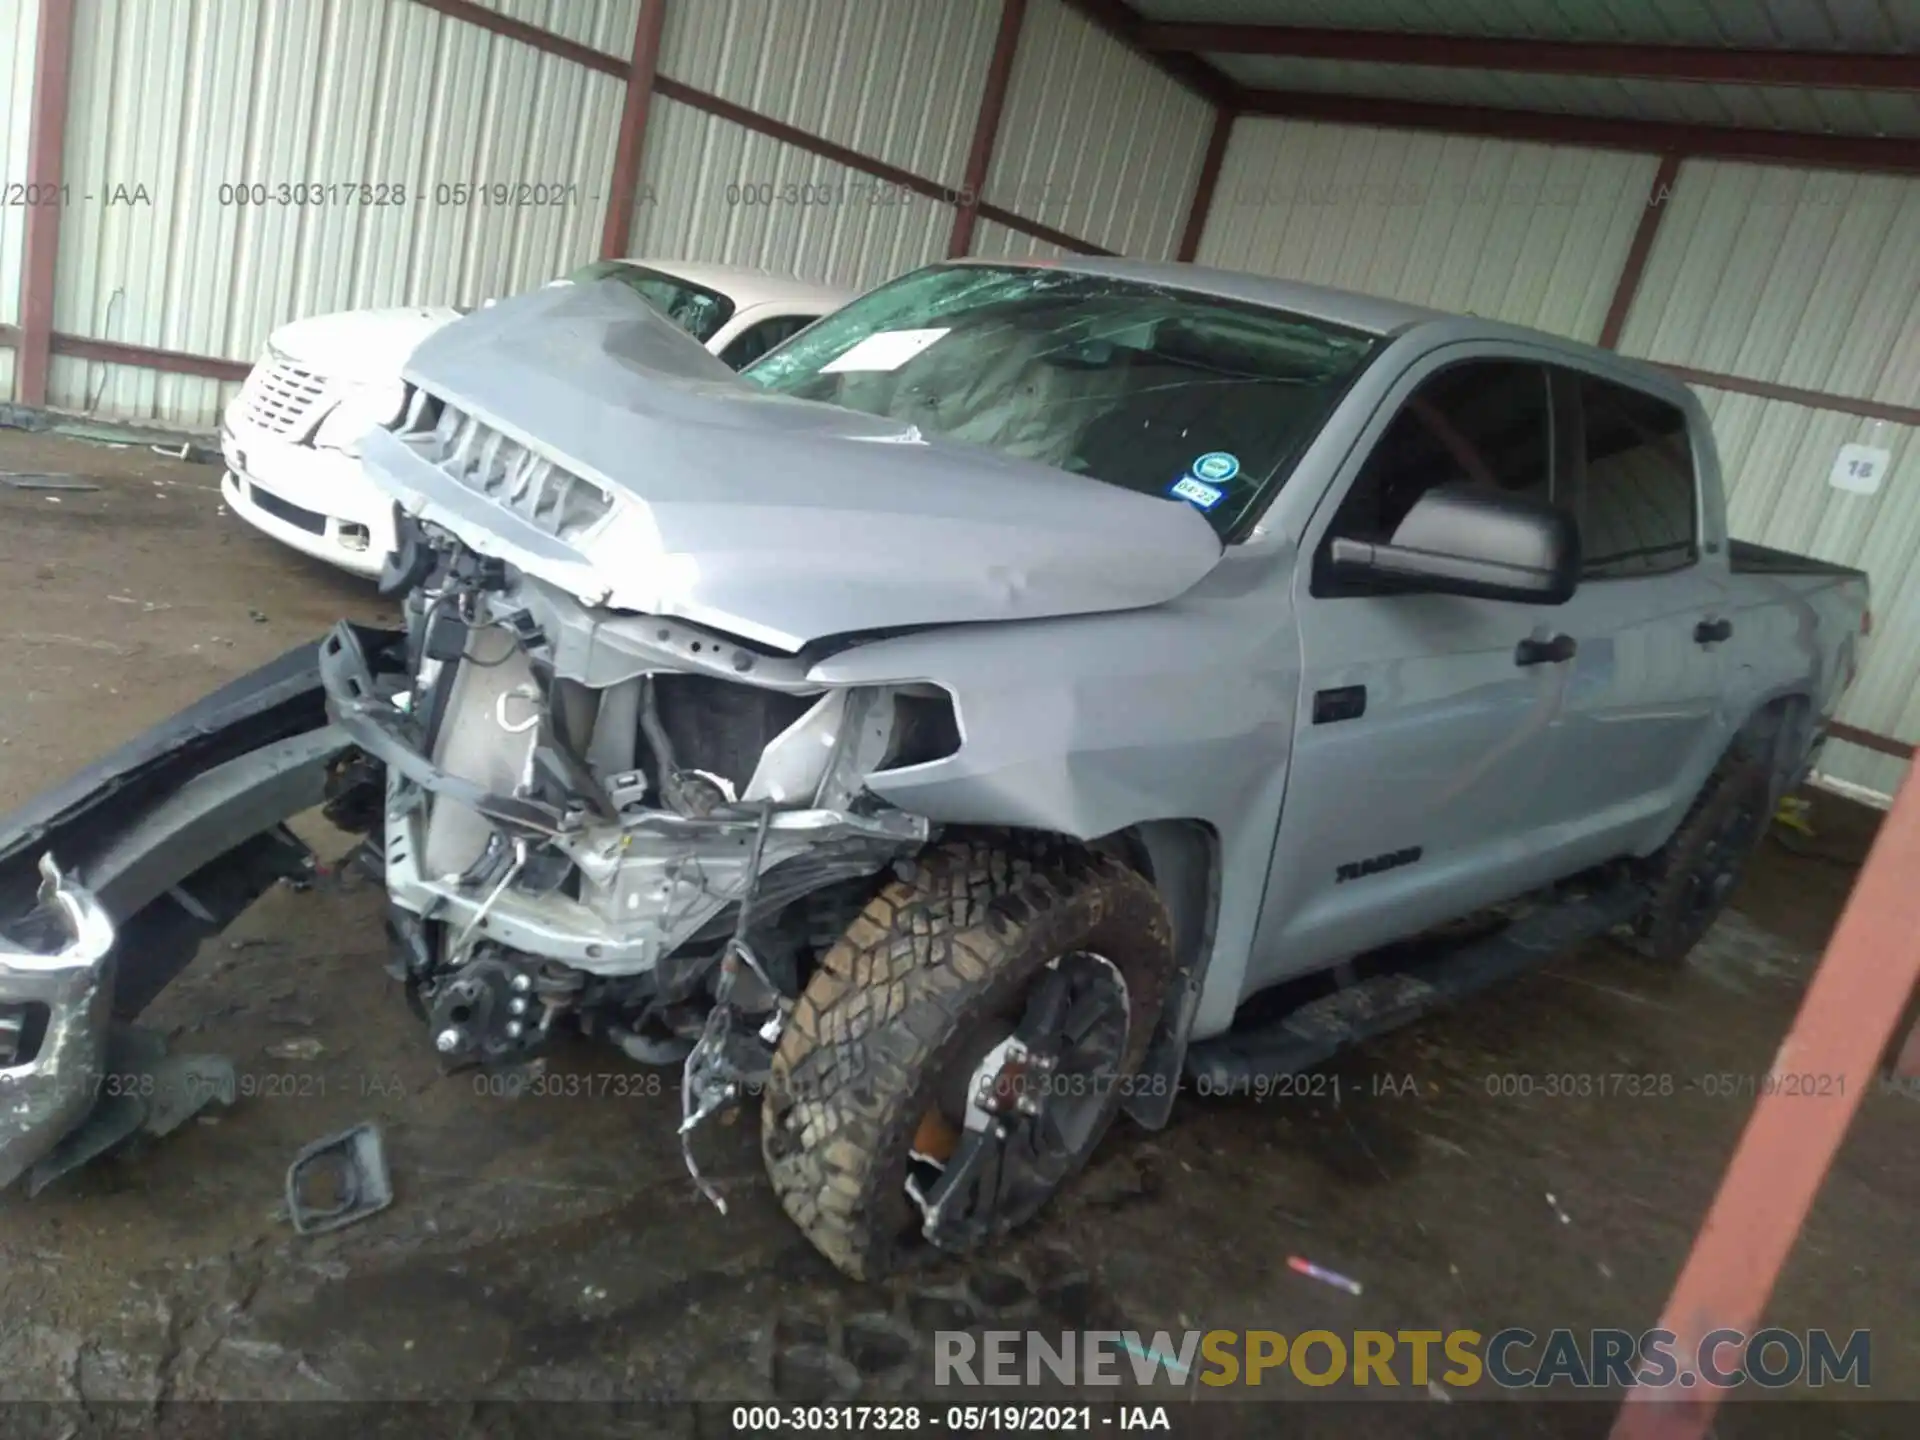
1844	1027
46	153
753	120
1034	228
630	153
803	139
986	127
1715	142
1208	182
1638	252
1794	395
1124	24
1696	64
1869	740
532	35
831	150
148	357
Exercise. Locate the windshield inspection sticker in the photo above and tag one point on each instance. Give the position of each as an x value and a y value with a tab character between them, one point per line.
1197	492
887	350
1217	467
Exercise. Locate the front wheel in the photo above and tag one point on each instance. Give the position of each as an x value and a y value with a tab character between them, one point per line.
963	1048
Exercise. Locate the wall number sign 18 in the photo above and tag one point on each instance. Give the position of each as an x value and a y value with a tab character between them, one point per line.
1860	468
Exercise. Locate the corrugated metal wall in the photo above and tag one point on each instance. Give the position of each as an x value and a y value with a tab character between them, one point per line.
176	102
716	191
198	129
1810	279
897	80
1839	25
1806	277
1533	234
1095	141
993	241
18	21
605	25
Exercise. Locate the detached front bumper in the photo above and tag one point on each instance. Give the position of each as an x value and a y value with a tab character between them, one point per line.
55	1002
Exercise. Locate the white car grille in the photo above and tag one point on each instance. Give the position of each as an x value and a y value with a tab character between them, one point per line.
548	496
281	398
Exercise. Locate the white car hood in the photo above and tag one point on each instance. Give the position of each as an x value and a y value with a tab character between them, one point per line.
368	345
775	519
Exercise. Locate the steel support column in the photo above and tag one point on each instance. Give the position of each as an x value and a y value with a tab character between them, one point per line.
986	129
46	150
1846	1023
629	154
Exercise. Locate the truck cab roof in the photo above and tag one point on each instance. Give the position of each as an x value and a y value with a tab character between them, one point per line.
1375	315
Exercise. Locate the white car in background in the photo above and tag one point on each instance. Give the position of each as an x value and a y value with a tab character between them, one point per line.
291	437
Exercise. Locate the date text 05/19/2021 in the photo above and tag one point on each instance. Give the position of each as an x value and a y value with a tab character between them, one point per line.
950	1419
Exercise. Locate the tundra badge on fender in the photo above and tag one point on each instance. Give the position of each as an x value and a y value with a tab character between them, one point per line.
1392	860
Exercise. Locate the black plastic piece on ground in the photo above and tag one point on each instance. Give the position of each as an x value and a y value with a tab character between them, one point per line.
356	1164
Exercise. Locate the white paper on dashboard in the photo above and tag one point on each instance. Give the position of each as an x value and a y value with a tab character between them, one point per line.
888	350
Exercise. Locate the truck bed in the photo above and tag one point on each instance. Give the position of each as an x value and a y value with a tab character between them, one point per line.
1746	558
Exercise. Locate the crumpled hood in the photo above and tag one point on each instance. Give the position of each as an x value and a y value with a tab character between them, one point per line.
360	344
778	520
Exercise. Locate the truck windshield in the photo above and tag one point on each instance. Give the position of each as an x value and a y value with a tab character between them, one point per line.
1204	401
694	308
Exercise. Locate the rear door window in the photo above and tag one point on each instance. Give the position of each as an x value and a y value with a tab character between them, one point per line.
1637	505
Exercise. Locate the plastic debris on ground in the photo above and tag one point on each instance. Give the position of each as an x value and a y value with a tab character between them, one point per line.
338	1181
1325	1277
29	481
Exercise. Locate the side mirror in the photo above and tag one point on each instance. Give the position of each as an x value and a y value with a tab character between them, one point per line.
1461	540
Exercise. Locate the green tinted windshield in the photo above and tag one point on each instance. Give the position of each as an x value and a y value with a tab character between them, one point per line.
1160	390
694	308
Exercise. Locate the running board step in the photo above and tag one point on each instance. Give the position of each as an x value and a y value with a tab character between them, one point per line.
1322	1028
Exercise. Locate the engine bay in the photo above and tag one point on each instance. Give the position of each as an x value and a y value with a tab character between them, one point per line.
612	822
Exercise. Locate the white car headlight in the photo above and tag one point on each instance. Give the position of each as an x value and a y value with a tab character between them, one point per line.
360	410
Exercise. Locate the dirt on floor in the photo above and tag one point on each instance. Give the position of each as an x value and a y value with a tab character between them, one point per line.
552	1247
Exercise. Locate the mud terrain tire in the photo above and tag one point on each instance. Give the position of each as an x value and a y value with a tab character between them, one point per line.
895	1001
1692	874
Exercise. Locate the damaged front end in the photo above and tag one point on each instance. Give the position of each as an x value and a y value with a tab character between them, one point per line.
587	820
614	822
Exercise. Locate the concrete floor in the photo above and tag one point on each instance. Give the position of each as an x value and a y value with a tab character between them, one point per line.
554	1248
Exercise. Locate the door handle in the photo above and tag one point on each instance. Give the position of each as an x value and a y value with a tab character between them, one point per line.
1712	632
1349	702
1544	652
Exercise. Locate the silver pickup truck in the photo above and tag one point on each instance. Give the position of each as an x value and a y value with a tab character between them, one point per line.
942	730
